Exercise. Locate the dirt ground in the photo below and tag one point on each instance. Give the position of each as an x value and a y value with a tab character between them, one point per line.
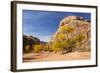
51	56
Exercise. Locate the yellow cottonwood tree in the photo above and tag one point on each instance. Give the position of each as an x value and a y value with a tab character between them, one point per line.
38	48
61	37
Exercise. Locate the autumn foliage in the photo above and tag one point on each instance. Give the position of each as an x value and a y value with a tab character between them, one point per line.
72	35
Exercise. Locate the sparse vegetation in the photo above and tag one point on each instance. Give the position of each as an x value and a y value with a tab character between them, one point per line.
69	38
38	48
27	49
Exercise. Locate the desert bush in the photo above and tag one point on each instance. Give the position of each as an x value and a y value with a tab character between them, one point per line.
79	37
67	29
27	49
61	37
68	45
46	47
38	48
56	46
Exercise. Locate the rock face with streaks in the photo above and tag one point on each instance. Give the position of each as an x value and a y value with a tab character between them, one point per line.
74	28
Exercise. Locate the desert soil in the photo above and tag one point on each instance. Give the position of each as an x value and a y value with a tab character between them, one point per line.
51	56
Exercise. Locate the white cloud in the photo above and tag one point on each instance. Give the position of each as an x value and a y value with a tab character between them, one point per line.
45	38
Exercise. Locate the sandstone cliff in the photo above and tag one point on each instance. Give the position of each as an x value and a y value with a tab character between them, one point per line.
76	28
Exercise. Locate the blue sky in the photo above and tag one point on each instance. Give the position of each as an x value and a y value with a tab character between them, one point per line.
43	24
